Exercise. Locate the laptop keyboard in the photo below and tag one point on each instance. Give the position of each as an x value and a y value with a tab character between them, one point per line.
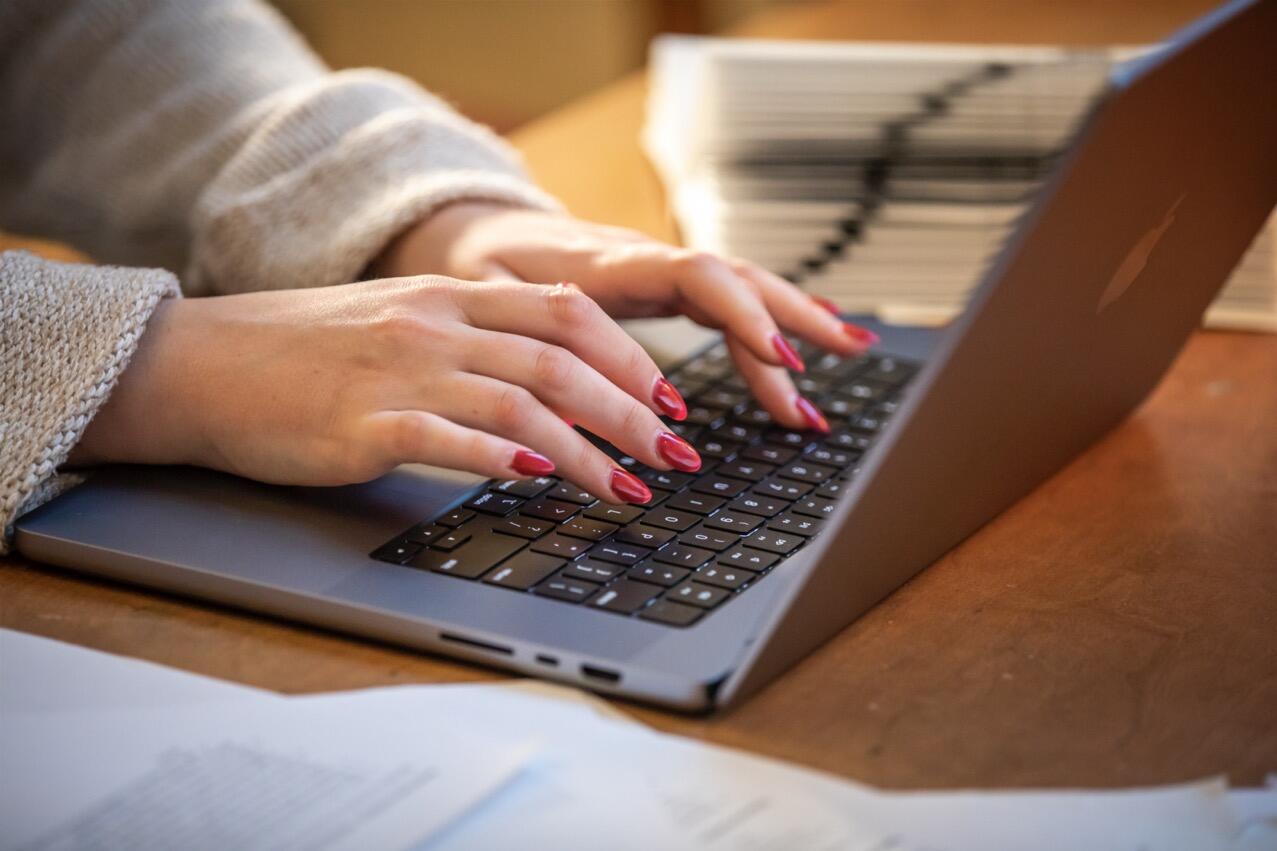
762	493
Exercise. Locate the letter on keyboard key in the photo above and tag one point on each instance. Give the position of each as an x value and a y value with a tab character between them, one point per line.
748	559
620	514
562	588
472	559
497	504
668	518
723	576
593	571
644	536
524	570
661	574
618	553
624	596
525	488
585	527
741	524
711	539
560	545
696	594
775	542
523	526
684	556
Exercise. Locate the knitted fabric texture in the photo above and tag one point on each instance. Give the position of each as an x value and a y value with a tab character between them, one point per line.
66	333
203	137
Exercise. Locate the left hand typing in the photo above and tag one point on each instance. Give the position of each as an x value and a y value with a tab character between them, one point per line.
632	276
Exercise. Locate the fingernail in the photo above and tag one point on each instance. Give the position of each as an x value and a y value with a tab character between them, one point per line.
678	452
669	400
529	463
860	335
629	488
827	305
787	353
815	419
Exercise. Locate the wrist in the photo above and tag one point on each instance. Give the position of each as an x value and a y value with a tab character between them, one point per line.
426	247
144	419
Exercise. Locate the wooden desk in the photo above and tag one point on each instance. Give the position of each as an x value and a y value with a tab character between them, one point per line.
1116	627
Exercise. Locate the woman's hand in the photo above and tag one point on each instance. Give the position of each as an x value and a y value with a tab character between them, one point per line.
631	276
341	384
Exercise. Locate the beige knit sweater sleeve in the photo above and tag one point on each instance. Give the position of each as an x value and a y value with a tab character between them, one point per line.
201	137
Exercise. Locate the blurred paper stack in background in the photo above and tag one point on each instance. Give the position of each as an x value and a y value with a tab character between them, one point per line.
883	177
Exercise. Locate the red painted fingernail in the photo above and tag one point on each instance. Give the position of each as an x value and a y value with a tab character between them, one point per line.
529	463
860	335
815	419
629	488
678	452
827	305
787	354
669	400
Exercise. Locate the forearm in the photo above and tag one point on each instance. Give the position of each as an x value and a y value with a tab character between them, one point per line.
204	137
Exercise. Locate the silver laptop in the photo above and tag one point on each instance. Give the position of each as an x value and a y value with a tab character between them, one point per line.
731	575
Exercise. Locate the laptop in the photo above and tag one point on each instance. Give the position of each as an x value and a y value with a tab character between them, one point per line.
732	574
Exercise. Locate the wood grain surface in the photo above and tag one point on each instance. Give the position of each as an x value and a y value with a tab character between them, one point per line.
1116	627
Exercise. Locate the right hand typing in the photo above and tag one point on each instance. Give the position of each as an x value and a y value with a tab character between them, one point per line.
338	385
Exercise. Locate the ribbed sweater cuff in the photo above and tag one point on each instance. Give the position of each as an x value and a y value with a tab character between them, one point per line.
68	332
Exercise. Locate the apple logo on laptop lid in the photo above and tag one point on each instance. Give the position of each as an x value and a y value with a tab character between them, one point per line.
1137	258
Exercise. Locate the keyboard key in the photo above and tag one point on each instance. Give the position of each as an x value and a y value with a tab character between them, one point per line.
827	455
644	536
619	514
551	509
749	559
471	560
565	492
424	533
496	504
741	524
665	575
755	417
625	596
840	406
816	507
832	489
719	486
397	552
523	570
865	424
683	556
665	479
450	541
786	437
711	447
560	545
796	524
562	588
752	503
587	528
619	553
722	576
737	433
864	390
523	526
770	454
455	517
672	614
700	415
812	474
782	489
667	518
847	440
749	471
775	542
591	570
525	488
710	539
696	594
721	397
890	371
697	503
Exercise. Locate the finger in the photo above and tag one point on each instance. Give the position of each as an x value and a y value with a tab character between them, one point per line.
512	412
816	320
710	286
775	390
575	390
567	317
420	437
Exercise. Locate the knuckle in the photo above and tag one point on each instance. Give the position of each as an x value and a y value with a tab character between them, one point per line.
635	418
513	408
554	368
408	435
570	308
700	263
403	327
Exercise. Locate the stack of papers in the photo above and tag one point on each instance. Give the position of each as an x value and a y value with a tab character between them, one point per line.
883	177
102	751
